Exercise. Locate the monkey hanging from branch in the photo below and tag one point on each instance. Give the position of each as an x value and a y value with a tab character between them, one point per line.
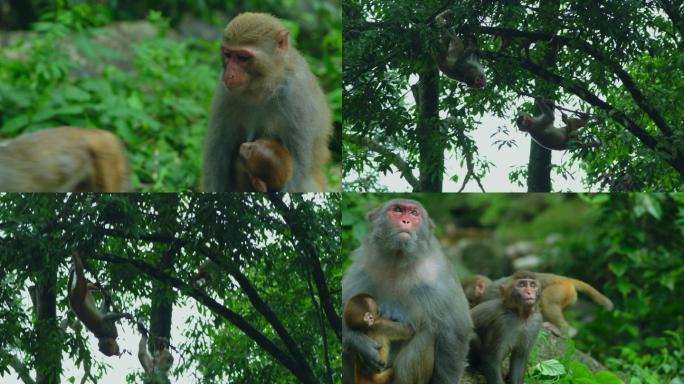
100	321
157	364
544	133
458	61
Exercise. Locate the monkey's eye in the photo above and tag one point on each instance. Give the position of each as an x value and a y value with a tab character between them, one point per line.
243	58
396	208
414	212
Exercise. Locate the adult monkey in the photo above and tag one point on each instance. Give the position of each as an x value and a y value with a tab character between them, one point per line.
266	90
544	133
507	325
64	159
401	265
101	322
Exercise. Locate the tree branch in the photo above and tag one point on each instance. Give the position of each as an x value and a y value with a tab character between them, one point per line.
399	163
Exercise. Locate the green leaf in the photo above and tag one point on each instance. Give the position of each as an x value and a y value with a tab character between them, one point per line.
605	377
551	367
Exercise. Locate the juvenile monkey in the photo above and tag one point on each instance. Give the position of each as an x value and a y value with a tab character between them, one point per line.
64	159
265	90
456	61
263	165
101	322
156	366
558	293
361	313
475	287
507	325
543	132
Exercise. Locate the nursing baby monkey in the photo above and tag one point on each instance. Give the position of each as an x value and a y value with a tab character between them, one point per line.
361	313
263	165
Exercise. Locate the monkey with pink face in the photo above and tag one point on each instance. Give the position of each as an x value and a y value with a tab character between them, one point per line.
265	91
401	265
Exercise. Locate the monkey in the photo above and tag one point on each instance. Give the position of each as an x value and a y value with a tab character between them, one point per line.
545	134
156	366
361	313
266	89
475	287
400	263
101	322
64	159
263	165
507	325
456	61
558	293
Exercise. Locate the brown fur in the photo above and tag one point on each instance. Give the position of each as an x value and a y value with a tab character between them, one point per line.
269	161
382	331
64	159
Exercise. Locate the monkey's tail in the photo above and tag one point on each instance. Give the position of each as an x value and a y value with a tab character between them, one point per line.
595	295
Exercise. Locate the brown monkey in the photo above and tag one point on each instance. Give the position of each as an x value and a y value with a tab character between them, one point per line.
456	61
263	165
64	159
101	322
544	133
266	90
361	313
558	293
156	366
475	287
507	325
400	263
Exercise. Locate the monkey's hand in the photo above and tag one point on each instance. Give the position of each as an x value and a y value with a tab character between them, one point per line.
367	350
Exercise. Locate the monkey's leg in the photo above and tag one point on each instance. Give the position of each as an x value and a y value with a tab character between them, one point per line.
492	371
383	377
553	313
415	362
517	366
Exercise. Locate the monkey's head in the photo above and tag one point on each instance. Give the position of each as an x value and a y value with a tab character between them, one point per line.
361	312
400	225
524	121
108	346
254	52
522	292
268	164
474	76
475	287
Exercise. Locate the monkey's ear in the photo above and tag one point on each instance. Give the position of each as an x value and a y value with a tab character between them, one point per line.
283	40
373	214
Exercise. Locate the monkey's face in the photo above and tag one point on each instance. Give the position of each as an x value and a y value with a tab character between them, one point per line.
526	291
405	218
524	122
108	346
369	319
237	67
475	78
246	150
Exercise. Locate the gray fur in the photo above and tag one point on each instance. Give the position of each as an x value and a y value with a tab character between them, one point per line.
410	287
501	332
296	115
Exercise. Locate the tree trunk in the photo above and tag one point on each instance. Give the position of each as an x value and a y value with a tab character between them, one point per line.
430	140
48	347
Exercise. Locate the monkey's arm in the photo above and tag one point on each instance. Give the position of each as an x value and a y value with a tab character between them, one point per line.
144	355
393	330
116	316
546	117
517	366
366	349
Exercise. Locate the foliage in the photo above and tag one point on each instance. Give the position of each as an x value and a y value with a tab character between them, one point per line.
139	80
270	297
619	60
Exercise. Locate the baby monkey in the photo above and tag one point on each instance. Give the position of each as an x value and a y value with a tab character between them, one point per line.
263	165
543	132
361	313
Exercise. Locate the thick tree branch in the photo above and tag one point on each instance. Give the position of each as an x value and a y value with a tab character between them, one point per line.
673	156
201	297
639	98
311	254
402	166
21	370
